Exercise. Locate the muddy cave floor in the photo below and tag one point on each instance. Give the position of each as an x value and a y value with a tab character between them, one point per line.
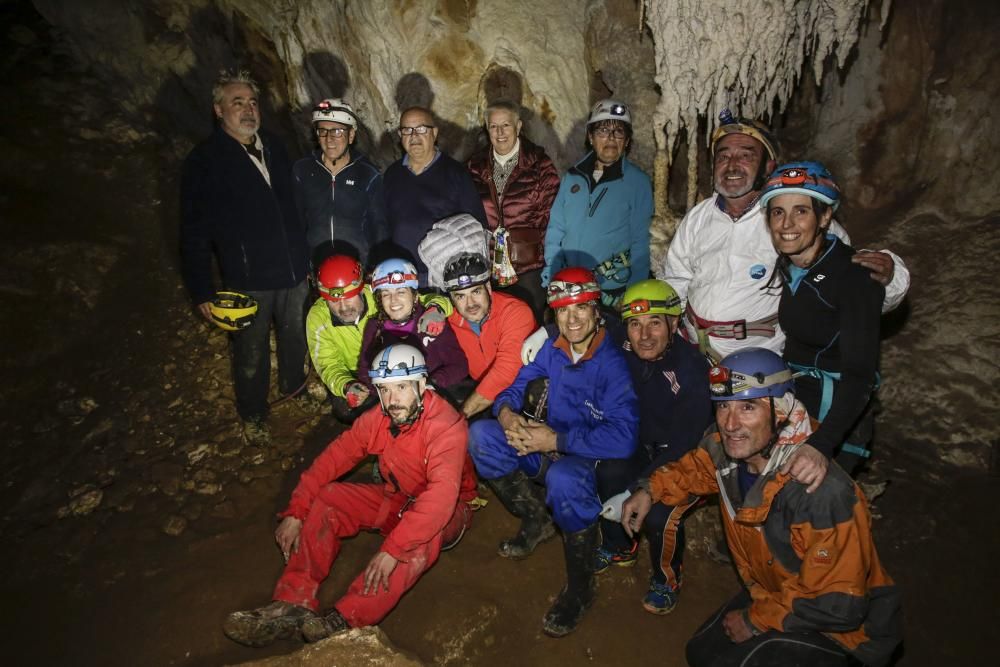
132	519
120	421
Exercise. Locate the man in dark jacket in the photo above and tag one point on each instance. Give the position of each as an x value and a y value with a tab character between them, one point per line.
236	200
671	382
517	183
424	186
338	191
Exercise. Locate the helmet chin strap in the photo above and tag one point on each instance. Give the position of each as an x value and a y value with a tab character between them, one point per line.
775	431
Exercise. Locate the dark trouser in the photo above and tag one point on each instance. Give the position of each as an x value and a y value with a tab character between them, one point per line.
252	354
710	647
613	477
528	288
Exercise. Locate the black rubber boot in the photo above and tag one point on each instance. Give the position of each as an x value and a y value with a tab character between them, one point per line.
262	626
525	500
321	627
579	592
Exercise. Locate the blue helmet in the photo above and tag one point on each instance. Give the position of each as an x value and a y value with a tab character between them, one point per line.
804	178
753	372
394	273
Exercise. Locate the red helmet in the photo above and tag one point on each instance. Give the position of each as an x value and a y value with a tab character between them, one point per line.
339	278
573	285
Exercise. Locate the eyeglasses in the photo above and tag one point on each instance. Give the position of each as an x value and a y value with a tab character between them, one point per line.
605	132
419	129
335	132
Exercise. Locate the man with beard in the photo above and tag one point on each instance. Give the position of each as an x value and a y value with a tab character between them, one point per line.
721	257
814	591
424	186
591	419
420	509
490	327
237	201
337	189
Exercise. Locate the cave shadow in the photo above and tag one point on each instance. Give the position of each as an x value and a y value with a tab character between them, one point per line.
414	90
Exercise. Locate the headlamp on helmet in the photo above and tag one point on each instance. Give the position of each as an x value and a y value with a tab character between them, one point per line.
804	178
232	311
393	273
339	277
465	270
650	297
397	363
334	110
573	285
753	372
728	124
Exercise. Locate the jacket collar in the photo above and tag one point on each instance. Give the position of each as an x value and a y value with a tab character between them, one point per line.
585	168
595	342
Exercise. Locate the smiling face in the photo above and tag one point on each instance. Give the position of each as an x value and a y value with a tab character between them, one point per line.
503	127
401	400
397	302
347	310
745	427
577	323
238	113
334	148
472	303
650	335
736	166
796	231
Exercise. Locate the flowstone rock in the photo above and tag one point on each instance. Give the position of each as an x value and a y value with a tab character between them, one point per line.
357	646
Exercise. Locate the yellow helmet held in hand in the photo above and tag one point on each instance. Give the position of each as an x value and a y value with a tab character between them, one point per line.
233	311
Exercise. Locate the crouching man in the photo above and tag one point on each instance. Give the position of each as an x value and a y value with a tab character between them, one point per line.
814	590
421	508
591	415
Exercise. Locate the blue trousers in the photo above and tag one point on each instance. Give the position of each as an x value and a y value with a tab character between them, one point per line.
570	481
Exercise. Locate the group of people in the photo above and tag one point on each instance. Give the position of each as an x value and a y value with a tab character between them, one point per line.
746	368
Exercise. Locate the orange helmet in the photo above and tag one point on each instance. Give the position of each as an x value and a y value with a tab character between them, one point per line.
339	278
573	285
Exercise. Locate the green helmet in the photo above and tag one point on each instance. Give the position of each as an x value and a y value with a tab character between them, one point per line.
650	297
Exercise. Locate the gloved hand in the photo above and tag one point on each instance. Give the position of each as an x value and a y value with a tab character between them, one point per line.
355	394
432	322
532	344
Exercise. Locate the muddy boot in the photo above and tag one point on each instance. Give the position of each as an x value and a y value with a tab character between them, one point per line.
256	433
578	593
321	627
523	499
260	627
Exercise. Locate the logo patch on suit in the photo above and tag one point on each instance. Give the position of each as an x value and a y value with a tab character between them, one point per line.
350	182
818	277
758	271
675	386
823	556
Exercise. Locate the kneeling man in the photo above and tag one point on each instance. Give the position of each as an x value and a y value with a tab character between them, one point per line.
814	591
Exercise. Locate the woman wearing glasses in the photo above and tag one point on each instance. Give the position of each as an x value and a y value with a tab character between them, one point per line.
338	191
829	311
600	219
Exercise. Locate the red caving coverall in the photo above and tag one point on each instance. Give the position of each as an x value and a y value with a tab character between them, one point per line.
421	506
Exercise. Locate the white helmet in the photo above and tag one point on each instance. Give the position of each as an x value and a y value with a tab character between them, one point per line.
396	363
610	110
335	110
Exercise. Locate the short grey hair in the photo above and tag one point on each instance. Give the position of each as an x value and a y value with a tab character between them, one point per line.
229	77
502	105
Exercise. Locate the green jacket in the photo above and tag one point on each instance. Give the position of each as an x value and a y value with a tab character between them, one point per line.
334	346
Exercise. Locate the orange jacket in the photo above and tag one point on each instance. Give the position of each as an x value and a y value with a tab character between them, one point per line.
428	460
495	354
808	560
